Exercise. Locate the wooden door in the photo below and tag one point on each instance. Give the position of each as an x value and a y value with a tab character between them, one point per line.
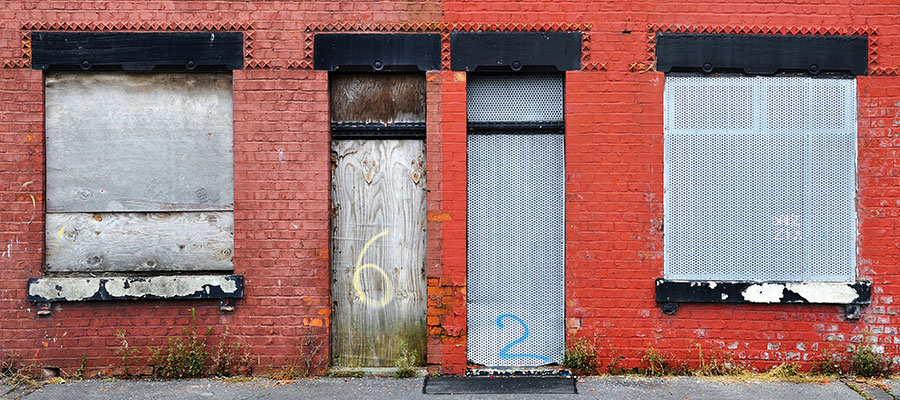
378	239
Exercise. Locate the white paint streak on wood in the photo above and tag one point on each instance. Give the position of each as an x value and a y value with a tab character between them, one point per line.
184	241
120	141
377	186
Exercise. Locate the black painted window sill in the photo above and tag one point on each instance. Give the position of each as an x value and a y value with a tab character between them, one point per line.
167	287
676	291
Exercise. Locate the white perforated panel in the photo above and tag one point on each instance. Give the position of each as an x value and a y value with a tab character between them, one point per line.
515	98
760	179
516	235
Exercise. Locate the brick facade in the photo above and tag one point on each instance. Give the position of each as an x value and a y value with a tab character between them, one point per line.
614	180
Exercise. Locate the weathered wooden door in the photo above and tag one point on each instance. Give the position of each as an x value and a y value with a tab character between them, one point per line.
378	221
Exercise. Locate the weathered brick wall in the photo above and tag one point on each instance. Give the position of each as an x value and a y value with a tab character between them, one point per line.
281	181
614	172
614	151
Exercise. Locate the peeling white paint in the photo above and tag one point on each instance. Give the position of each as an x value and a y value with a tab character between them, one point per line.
838	293
168	286
712	284
724	296
764	293
75	289
72	289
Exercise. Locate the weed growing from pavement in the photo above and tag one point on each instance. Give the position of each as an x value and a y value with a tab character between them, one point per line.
79	373
715	366
657	363
305	364
580	356
230	359
828	362
865	362
182	358
125	352
405	362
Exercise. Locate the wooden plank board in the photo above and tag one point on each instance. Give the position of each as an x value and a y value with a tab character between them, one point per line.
378	247
105	242
377	98
139	142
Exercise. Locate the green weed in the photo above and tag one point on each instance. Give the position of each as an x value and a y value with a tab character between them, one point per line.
405	362
580	357
183	357
124	351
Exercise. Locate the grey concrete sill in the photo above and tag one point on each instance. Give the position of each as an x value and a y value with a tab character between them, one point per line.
58	289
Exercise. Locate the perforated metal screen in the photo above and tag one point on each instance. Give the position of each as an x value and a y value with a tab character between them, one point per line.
516	232
515	98
760	179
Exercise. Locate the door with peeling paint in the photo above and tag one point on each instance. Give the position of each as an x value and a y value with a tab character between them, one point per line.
378	218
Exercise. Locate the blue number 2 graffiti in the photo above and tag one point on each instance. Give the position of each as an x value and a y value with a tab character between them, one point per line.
504	352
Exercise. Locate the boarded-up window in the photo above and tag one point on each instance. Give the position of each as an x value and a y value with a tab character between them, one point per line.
139	172
760	179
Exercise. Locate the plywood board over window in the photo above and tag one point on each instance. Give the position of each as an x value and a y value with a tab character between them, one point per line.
384	99
139	171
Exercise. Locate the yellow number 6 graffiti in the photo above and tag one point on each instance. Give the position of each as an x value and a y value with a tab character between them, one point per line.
388	285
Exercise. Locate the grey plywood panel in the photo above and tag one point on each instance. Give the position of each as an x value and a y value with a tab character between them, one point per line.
177	241
377	98
378	245
139	142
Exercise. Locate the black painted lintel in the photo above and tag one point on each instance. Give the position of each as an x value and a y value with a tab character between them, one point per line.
515	51
672	291
137	51
761	54
377	51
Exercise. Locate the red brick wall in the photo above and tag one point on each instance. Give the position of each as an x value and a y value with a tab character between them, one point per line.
281	175
613	170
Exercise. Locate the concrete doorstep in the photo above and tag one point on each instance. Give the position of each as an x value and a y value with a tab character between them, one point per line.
613	387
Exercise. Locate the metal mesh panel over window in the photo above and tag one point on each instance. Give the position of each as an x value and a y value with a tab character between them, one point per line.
760	179
515	98
516	223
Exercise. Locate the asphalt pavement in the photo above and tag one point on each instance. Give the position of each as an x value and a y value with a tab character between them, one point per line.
614	387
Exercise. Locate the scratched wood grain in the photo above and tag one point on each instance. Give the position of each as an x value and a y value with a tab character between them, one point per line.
377	98
120	141
178	241
377	186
